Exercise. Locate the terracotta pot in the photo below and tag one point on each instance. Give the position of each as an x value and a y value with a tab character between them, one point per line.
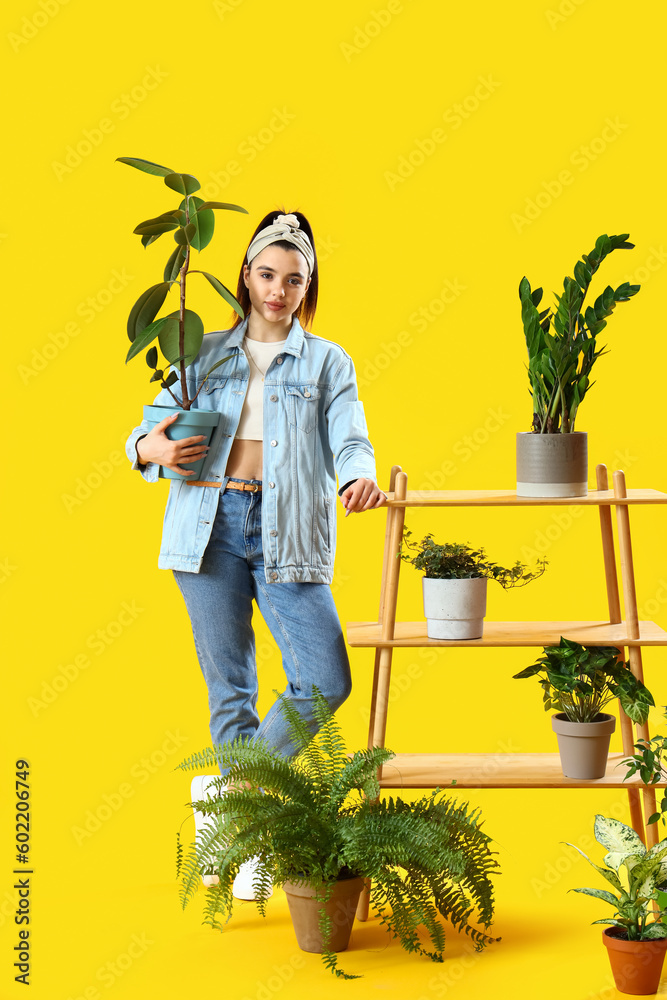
636	965
454	609
583	746
552	465
305	912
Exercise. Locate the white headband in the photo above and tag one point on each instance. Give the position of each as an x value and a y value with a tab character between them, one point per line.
284	227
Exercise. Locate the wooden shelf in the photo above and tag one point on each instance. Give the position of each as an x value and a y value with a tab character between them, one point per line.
512	634
496	770
508	498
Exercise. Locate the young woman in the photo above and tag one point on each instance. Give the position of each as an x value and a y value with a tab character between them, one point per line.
261	524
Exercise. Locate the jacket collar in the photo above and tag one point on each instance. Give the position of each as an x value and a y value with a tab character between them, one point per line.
294	344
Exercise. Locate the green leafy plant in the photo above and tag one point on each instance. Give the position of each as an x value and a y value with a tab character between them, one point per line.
562	342
180	333
580	680
318	817
644	872
460	562
649	762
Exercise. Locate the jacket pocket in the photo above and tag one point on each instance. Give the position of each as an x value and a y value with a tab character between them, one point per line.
302	405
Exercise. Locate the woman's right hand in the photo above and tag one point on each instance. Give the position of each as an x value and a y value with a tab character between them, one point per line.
157	447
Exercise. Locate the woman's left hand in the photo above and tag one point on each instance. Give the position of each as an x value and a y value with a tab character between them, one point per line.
364	494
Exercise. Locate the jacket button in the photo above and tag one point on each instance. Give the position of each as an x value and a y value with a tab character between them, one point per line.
274	532
274	399
273	444
279	361
307	394
274	576
272	486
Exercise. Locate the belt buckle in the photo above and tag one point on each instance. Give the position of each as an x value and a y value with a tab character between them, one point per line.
254	488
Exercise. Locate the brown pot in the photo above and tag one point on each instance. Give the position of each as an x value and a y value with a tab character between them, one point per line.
636	965
583	746
305	912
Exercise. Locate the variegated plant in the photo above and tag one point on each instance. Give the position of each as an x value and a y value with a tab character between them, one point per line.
560	359
643	872
180	333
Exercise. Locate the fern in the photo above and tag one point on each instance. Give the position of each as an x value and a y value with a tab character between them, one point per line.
319	817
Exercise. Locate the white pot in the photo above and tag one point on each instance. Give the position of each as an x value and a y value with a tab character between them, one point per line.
455	609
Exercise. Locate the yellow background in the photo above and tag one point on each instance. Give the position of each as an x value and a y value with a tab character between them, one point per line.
335	99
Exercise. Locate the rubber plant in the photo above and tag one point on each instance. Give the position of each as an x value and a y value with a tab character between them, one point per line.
179	333
562	342
454	561
318	817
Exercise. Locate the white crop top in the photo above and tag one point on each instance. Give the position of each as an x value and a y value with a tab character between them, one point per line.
259	355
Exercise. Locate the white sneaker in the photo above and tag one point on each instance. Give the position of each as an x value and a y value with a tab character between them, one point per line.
199	788
243	883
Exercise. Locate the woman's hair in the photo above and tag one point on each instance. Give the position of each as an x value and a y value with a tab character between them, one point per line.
306	311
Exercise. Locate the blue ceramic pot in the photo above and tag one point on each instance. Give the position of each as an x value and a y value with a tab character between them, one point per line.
189	424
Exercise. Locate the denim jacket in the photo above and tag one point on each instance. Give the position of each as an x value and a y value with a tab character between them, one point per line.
314	427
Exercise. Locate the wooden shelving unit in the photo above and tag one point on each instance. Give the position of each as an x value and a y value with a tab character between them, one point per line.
414	770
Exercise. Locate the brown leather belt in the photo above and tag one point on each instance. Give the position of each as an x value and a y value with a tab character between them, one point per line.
247	487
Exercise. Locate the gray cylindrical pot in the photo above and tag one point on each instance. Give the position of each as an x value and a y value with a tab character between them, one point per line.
583	746
189	423
552	465
454	609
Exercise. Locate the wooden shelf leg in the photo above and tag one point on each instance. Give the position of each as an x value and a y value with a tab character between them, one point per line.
614	602
387	618
632	620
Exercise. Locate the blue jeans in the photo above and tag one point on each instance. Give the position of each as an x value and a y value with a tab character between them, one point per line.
302	618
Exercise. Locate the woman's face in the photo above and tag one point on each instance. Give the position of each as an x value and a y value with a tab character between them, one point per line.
277	281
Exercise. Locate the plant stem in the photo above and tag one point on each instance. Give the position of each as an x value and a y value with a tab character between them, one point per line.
181	317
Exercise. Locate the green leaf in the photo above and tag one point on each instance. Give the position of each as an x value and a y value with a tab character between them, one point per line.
146	308
183	183
145	337
225	292
654	931
146	165
151	358
608	897
619	839
170	379
607	873
223	204
203	221
217	365
174	264
154	228
194	335
184	234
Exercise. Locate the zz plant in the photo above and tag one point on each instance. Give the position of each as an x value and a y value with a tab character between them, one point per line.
453	561
318	817
580	680
562	342
635	888
179	333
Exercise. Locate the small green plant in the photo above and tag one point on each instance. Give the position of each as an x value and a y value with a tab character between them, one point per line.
318	817
452	561
644	872
649	762
560	362
180	333
580	680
